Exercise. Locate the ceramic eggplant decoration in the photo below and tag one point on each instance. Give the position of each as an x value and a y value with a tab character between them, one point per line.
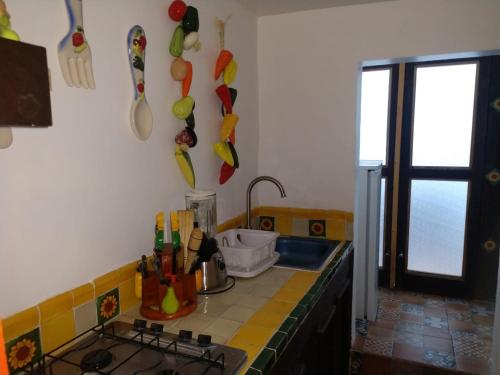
184	38
141	117
227	69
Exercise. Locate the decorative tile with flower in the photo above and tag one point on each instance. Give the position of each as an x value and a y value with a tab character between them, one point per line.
108	306
23	351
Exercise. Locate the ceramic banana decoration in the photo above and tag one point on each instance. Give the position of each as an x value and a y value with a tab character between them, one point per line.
185	38
141	117
5	28
6	32
226	69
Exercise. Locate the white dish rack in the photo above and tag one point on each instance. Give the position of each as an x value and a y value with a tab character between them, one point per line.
247	252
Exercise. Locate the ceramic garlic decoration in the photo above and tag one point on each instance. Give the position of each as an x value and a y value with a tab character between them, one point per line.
185	37
141	117
226	69
75	58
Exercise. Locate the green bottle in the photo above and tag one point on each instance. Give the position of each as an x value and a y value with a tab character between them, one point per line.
160	231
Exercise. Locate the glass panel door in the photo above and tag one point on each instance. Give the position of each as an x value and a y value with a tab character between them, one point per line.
436	174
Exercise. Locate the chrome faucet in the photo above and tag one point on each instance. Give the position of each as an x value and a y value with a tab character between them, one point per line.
249	195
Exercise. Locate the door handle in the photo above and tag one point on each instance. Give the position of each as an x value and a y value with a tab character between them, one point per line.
324	327
340	295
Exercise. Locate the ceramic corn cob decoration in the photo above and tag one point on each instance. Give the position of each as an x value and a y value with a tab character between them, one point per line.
185	37
227	69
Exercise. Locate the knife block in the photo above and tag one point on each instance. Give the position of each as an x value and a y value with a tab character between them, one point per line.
153	291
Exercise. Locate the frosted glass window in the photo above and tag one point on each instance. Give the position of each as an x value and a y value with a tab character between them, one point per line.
444	115
437	226
374	115
382	217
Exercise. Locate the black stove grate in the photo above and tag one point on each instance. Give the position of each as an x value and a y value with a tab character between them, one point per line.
44	366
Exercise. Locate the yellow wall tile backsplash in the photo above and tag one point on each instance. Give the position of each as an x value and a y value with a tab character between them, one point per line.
56	316
83	294
106	282
57	330
55	305
20	323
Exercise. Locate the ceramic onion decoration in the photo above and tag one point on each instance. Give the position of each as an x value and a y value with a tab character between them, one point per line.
185	37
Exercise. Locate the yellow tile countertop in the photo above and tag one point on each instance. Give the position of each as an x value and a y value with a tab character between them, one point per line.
259	314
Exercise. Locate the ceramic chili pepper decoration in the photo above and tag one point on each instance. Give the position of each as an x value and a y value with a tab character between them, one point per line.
225	97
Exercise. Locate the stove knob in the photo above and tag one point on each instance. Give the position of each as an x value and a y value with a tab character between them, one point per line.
156	328
204	340
185	335
140	325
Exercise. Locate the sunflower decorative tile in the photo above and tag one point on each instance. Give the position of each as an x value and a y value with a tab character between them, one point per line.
23	350
266	223
489	245
317	228
495	104
108	306
493	176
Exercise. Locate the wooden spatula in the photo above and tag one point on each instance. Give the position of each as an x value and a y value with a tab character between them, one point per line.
186	220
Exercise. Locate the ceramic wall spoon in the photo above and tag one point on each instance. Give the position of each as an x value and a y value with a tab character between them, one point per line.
141	117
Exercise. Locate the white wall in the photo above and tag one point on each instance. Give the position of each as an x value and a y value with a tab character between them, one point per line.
78	200
309	63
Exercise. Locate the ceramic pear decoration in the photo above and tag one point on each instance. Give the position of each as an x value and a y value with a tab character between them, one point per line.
226	69
184	38
141	117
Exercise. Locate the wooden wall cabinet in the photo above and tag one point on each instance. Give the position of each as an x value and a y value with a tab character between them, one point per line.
24	85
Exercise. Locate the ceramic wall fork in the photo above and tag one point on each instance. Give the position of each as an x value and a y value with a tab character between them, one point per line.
75	58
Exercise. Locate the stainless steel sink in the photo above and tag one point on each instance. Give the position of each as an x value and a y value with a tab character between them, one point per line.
305	253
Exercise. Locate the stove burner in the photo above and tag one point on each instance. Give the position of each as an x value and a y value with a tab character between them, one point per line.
96	360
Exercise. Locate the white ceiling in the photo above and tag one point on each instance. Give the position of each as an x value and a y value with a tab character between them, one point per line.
268	7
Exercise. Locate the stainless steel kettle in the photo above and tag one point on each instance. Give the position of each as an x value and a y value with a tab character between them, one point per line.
213	273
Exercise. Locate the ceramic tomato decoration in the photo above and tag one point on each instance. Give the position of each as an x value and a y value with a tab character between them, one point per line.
177	10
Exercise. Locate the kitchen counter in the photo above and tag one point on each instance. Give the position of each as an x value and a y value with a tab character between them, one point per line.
250	314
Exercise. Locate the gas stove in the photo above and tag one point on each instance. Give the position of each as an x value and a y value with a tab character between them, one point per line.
122	348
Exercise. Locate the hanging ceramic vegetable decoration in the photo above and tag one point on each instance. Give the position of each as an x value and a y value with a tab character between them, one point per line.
141	117
185	37
227	69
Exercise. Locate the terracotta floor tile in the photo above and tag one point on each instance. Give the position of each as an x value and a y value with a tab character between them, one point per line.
483	320
408	317
410	327
472	365
408	352
375	331
451	306
358	343
437	332
390	305
437	343
457	325
407	338
435	312
387	324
